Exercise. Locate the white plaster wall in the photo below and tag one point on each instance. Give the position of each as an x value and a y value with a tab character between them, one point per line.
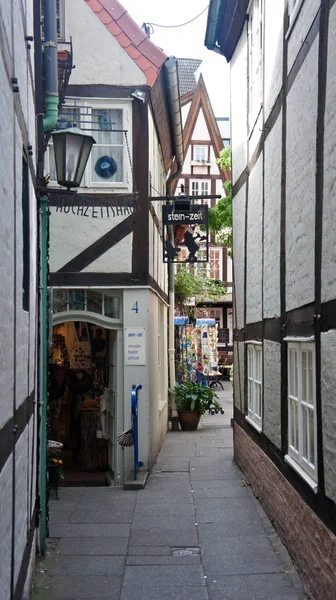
328	386
219	187
213	166
255	133
329	192
300	192
200	130
272	392
229	269
272	191
273	29
6	528
151	245
187	162
184	112
137	375
239	107
99	57
116	260
238	219
254	245
7	245
70	234
21	469
158	392
300	29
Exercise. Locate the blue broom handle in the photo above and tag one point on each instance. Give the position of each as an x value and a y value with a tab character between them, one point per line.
134	404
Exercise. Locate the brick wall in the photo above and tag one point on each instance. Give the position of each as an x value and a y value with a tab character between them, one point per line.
310	543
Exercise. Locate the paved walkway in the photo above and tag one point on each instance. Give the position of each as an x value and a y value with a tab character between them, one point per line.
195	533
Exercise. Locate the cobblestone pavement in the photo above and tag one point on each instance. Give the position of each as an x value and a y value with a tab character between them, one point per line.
195	532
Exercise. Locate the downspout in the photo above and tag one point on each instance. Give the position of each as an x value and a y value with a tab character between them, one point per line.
49	122
50	65
177	130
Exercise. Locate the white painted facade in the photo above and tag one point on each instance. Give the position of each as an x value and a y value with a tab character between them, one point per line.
18	378
103	61
275	160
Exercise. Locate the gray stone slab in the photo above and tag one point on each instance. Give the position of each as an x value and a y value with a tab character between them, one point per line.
227	471
160	498
167	530
103	515
246	587
243	555
229	488
164	593
90	530
167	483
242	517
213	461
149	551
88	565
232	525
151	506
93	546
211	504
85	587
173	466
163	575
194	559
60	516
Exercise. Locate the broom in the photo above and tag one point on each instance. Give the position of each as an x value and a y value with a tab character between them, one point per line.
126	438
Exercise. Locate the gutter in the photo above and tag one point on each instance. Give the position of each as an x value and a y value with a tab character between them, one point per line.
177	131
210	40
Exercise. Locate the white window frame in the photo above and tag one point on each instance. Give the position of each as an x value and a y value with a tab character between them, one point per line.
199	184
255	59
300	447
126	184
200	149
60	16
254	384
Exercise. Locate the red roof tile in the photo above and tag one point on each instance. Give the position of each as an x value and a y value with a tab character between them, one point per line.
148	57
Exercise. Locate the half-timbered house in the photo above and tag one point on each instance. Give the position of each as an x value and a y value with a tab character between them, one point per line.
108	279
282	57
201	175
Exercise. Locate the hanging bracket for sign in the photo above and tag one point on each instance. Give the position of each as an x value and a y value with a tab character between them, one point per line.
187	237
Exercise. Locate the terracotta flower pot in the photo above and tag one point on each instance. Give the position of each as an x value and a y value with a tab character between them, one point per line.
189	419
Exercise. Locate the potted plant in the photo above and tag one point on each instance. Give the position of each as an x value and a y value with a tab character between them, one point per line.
192	401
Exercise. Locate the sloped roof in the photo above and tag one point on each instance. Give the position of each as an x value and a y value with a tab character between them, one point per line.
186	74
130	36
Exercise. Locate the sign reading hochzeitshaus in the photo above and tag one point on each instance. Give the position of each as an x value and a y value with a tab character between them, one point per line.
96	207
186	234
135	346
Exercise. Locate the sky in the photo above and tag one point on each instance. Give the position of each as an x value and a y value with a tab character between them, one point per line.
186	42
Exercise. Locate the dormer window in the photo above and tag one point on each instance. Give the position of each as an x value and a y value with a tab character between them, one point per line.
200	153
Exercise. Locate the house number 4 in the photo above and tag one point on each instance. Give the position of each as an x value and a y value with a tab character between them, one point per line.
136	307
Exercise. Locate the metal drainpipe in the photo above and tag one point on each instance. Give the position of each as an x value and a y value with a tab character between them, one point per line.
49	121
177	128
211	31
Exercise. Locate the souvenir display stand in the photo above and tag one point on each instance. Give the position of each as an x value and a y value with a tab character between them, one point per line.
195	345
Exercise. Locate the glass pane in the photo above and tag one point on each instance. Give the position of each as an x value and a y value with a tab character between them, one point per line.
258	400
94	301
310	396
59	300
104	122
312	436
76	300
304	433
112	307
250	399
294	425
107	164
304	376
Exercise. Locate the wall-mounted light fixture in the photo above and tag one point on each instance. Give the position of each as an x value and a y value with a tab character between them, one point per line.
139	95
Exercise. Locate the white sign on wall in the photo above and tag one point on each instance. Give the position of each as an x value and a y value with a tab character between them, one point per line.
135	346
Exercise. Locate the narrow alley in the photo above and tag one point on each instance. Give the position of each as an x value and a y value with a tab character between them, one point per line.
196	532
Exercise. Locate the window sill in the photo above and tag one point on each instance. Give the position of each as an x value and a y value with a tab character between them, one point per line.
307	478
253	424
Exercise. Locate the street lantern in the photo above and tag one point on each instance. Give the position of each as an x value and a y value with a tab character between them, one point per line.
72	148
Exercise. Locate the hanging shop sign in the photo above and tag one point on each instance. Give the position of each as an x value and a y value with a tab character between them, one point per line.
96	207
135	346
190	243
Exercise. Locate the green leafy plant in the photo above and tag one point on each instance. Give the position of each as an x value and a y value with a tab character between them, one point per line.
192	288
191	396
